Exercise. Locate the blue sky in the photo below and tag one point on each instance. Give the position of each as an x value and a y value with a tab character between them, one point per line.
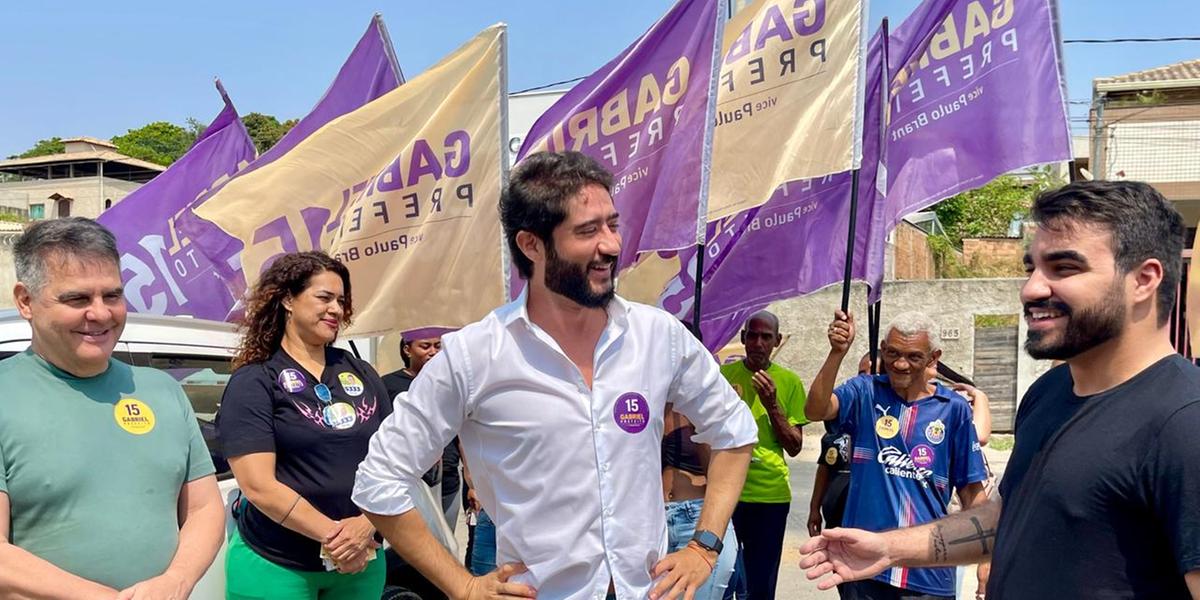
99	69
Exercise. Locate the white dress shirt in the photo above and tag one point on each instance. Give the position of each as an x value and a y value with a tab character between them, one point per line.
571	476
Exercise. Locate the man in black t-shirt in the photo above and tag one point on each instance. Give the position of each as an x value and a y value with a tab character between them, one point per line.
1100	496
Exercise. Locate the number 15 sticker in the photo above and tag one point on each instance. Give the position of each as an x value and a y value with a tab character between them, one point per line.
631	412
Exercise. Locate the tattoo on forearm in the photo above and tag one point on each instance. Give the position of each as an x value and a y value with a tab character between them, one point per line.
938	542
985	537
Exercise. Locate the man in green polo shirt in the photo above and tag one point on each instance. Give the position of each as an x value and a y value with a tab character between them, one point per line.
776	399
106	486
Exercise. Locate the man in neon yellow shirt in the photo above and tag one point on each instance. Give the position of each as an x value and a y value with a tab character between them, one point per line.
776	399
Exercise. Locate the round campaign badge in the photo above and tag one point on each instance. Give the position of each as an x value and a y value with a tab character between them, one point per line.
831	456
351	384
887	427
292	380
935	432
922	456
134	416
340	416
631	412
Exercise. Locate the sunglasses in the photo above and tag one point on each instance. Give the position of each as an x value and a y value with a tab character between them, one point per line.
323	394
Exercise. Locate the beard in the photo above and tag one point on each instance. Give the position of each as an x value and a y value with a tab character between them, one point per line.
1085	328
571	280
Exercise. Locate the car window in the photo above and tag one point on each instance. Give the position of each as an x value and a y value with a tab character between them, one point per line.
203	379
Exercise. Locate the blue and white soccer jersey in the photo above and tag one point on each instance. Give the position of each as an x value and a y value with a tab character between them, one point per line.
908	459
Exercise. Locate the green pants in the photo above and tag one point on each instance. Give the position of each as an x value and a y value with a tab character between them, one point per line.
249	576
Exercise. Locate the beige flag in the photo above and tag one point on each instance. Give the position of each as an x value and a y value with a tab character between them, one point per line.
403	190
789	99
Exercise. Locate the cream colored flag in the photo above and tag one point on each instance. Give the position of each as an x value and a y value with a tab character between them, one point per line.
789	101
403	190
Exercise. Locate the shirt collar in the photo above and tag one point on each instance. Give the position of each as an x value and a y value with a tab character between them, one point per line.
940	391
518	311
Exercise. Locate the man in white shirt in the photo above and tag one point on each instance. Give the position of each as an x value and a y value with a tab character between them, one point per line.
558	399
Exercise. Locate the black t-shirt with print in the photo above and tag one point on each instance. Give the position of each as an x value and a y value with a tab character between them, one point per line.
1100	494
318	439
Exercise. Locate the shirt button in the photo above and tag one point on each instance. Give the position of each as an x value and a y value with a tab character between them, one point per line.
604	467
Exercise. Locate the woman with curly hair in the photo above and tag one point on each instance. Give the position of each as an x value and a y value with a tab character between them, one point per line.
295	421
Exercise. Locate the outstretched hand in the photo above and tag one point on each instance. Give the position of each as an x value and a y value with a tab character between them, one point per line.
840	555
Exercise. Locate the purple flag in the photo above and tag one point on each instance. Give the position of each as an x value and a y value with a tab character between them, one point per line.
644	117
973	94
163	273
370	72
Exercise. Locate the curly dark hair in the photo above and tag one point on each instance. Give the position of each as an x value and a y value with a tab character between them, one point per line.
263	325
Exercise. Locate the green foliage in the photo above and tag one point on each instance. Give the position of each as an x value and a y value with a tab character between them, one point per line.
159	142
53	145
987	211
12	218
984	321
266	130
1002	443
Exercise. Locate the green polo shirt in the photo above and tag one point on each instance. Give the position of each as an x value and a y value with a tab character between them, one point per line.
93	466
767	479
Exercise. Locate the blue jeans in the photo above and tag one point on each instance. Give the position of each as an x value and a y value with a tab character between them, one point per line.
681	524
483	550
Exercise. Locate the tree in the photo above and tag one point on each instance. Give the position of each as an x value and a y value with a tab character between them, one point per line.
988	211
159	142
53	145
266	130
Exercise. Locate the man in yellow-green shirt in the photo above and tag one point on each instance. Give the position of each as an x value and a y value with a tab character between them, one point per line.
776	399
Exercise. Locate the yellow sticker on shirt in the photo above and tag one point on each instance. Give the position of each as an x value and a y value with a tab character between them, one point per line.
887	427
831	456
134	416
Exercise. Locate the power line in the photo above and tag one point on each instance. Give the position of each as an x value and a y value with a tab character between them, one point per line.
548	85
1078	41
1133	40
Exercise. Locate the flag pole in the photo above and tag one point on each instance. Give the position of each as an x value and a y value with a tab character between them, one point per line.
506	263
710	115
852	232
875	309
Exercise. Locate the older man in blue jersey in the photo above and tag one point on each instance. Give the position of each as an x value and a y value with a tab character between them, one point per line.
914	444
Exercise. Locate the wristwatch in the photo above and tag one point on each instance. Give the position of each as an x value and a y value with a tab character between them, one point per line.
708	540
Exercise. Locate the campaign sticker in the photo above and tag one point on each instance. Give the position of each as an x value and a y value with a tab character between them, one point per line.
922	456
831	456
292	380
134	416
351	384
340	416
887	427
935	432
631	412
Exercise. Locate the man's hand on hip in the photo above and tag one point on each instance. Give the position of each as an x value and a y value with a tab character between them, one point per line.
682	572
496	585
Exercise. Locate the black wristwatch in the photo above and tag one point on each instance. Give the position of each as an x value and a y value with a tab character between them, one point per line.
708	540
